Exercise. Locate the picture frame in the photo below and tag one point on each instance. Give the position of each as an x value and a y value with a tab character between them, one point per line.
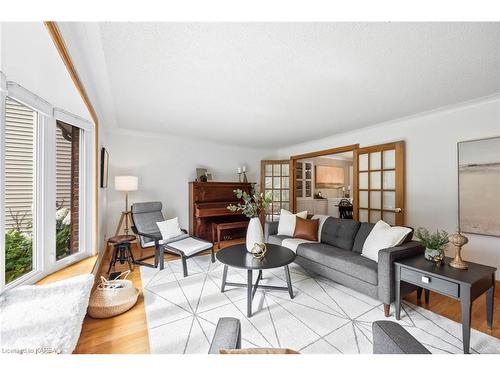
104	168
478	186
200	172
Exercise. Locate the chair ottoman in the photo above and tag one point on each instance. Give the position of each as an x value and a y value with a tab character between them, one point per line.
187	248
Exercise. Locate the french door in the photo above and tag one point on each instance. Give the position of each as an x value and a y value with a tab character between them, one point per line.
379	183
275	180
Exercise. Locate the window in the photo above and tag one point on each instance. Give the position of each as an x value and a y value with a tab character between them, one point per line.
67	189
46	164
19	189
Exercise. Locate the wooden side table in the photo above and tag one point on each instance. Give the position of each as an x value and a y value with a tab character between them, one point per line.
463	285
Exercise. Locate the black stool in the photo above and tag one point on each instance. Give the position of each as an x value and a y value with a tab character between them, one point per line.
121	251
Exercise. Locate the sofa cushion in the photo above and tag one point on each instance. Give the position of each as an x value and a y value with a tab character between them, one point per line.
306	229
276	239
293	243
383	236
363	232
286	224
339	232
341	260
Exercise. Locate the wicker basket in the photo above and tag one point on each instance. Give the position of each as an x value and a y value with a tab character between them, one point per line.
113	297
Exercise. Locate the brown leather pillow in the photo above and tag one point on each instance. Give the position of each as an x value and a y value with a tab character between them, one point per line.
306	229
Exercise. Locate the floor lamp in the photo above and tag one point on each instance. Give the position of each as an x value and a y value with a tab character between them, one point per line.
126	184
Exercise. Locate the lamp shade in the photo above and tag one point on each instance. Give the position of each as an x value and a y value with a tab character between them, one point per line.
126	183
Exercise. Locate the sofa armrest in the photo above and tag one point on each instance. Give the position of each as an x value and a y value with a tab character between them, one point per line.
386	258
270	228
390	338
227	335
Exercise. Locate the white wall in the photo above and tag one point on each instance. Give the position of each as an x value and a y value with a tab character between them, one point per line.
30	58
431	164
165	164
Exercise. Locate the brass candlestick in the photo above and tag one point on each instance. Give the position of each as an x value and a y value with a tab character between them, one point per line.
458	240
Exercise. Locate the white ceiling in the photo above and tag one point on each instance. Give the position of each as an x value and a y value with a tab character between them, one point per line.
276	84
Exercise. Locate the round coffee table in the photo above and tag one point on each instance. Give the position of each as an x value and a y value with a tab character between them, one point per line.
237	256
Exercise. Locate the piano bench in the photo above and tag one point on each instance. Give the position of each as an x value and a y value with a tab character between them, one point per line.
218	228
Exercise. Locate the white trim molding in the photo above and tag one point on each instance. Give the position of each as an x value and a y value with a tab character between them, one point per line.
26	97
69	118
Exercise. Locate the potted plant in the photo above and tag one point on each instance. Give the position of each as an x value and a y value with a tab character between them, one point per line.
434	244
253	204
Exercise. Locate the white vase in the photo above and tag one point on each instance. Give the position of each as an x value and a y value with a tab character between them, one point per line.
254	233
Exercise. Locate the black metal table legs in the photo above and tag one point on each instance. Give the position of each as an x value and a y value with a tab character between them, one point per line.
252	288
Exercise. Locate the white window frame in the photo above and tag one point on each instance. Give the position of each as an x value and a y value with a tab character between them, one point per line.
44	252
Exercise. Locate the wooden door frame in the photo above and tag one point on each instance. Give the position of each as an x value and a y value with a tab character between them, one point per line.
399	147
309	155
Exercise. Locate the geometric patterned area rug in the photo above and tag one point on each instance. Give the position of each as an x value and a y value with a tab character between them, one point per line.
324	317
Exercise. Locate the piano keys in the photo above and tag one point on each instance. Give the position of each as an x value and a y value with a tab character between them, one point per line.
208	203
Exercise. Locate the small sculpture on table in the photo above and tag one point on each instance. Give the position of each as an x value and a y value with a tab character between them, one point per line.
259	250
458	240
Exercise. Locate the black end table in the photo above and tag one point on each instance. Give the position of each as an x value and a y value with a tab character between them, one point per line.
463	285
237	256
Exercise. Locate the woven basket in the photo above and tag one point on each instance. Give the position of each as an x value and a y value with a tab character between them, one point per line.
113	297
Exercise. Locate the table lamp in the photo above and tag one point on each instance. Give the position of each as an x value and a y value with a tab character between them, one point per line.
126	184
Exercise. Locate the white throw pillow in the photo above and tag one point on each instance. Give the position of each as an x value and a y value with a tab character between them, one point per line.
322	219
381	237
286	225
169	228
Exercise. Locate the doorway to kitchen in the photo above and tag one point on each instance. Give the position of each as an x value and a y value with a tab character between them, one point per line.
322	182
365	184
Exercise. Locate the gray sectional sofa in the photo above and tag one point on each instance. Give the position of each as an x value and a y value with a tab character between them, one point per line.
338	257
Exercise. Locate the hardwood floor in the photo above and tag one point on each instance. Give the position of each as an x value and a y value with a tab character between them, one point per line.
84	266
450	308
127	333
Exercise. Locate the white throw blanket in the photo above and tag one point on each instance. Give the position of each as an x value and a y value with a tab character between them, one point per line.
44	318
293	243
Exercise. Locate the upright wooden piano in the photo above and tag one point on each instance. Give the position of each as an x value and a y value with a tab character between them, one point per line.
208	203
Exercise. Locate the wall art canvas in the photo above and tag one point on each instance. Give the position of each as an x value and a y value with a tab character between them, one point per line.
479	186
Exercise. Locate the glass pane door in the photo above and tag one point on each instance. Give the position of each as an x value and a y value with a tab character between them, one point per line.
379	183
275	180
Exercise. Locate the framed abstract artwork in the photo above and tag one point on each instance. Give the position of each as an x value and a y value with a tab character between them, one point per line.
104	167
479	186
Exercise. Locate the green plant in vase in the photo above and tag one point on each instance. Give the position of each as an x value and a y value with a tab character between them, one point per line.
253	204
434	244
